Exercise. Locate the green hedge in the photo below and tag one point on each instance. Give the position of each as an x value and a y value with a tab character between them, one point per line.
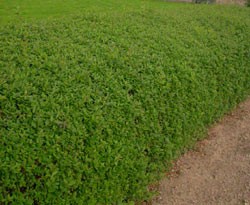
94	106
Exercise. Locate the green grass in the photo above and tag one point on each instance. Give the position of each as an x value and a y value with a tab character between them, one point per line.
94	105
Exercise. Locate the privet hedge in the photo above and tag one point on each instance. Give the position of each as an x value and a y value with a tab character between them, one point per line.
94	106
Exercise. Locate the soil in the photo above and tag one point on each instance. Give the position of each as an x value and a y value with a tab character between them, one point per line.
239	2
234	2
217	171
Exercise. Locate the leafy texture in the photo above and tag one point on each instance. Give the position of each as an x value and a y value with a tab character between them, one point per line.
93	106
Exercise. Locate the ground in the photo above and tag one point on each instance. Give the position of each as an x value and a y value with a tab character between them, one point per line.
218	170
239	2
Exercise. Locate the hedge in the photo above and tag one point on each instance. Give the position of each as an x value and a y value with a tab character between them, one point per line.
95	106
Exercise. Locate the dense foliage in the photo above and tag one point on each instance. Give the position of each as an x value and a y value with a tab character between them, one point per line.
248	3
93	106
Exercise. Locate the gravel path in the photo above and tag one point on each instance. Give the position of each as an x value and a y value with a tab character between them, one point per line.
218	170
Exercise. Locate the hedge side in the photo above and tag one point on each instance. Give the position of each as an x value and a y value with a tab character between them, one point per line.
92	107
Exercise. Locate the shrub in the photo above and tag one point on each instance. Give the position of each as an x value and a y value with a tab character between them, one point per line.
94	106
204	1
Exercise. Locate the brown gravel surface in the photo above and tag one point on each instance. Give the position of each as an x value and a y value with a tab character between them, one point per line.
238	2
217	171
